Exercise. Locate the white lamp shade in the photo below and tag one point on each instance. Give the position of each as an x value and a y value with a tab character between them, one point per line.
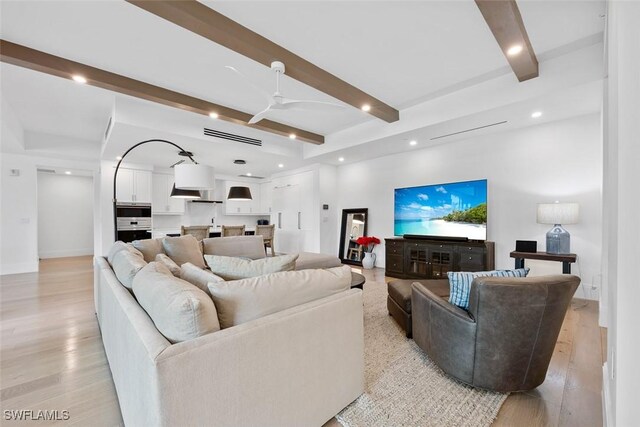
191	176
558	213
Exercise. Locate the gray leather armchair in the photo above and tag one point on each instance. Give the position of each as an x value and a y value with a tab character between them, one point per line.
506	339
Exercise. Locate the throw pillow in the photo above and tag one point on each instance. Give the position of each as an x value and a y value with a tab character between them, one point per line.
179	310
243	300
246	246
150	248
168	262
460	283
197	276
233	268
117	247
184	249
126	265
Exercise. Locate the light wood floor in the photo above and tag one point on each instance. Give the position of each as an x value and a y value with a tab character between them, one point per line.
51	355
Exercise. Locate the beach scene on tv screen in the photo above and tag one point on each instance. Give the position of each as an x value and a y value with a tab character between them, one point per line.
457	210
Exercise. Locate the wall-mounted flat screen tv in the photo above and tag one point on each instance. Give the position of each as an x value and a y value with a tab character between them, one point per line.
456	209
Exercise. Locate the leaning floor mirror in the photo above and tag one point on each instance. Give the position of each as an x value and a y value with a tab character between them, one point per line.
354	225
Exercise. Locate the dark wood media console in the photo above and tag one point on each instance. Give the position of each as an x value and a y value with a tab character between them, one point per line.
432	259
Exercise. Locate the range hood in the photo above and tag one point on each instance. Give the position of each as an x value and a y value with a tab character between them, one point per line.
207	197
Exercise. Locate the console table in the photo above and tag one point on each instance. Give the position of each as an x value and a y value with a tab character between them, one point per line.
414	258
565	259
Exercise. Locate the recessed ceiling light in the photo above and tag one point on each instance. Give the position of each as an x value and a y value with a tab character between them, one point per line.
280	165
536	114
366	107
248	173
79	79
68	172
514	50
213	115
341	159
292	136
119	158
413	142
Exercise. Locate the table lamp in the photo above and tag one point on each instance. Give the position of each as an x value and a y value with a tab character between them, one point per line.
558	239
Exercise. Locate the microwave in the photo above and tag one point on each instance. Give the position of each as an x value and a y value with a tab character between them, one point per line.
133	216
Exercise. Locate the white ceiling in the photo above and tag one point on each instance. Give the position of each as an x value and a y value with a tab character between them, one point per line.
401	52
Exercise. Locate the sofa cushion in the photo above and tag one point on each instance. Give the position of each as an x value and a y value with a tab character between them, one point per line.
169	263
460	283
313	260
240	301
126	265
118	246
179	310
150	248
184	249
197	276
233	268
237	246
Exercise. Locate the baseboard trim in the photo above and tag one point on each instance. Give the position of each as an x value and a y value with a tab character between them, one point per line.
19	268
66	253
606	399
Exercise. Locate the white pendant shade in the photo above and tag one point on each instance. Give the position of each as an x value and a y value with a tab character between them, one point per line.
191	176
558	213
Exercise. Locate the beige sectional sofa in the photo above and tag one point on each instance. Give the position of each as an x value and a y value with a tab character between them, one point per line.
296	367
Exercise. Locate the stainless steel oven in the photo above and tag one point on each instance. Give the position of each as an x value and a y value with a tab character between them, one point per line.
133	221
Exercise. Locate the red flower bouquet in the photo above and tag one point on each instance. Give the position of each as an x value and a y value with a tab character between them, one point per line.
368	242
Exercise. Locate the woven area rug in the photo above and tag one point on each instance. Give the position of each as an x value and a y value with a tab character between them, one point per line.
403	387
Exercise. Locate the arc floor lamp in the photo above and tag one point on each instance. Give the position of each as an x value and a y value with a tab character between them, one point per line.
189	178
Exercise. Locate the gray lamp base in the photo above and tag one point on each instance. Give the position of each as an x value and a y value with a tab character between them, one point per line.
558	240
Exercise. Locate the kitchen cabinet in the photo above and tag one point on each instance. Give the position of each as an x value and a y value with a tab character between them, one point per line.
243	207
293	212
133	186
266	196
162	202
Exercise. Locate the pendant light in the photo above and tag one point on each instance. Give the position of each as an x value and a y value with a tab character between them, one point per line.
239	194
179	193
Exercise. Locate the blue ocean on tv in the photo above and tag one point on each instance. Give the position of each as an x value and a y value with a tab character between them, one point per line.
457	209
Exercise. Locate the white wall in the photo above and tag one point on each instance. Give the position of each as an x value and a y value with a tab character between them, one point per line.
621	375
555	161
65	215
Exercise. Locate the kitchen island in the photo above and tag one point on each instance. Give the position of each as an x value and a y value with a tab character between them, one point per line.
214	231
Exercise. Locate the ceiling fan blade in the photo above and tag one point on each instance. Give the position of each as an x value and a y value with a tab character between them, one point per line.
261	115
309	105
262	92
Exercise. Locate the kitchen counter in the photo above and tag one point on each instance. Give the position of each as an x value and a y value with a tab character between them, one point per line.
214	231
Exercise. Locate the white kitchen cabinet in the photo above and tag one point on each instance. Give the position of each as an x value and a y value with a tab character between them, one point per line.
162	202
243	207
293	212
266	196
133	186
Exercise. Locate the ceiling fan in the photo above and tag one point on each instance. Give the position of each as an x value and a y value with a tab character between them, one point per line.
277	101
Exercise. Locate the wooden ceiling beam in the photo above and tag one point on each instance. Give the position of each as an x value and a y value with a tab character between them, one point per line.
26	57
505	22
208	23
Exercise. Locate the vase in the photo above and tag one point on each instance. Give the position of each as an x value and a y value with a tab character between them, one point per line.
369	260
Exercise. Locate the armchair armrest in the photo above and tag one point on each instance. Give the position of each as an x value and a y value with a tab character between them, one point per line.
445	332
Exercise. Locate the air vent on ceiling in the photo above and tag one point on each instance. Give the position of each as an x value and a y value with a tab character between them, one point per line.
46	170
107	131
232	137
469	130
252	176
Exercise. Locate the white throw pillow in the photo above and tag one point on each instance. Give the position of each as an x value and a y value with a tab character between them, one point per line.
179	310
197	276
240	301
118	246
168	262
233	268
149	248
184	249
126	265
